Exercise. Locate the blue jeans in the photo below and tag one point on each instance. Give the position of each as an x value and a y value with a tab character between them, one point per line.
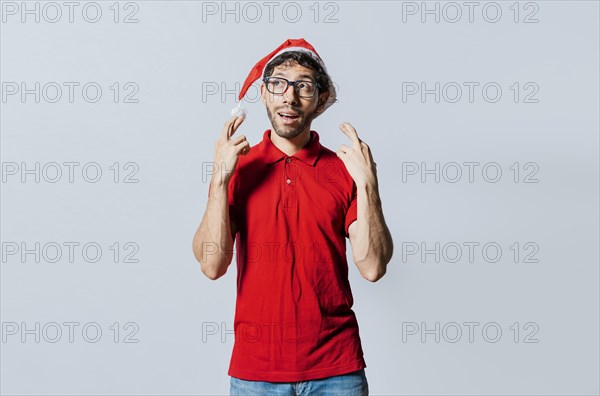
351	384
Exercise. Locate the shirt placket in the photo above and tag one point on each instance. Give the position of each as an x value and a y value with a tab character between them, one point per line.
291	179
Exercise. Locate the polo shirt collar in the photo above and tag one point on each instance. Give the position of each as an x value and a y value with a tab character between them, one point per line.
307	154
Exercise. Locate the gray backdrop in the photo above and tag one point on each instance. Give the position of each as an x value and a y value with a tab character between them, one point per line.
482	118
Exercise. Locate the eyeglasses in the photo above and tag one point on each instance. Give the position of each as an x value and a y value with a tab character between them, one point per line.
278	85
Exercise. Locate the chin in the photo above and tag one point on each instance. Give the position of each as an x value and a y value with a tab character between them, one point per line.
287	132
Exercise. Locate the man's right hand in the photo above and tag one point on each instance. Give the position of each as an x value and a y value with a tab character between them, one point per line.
227	150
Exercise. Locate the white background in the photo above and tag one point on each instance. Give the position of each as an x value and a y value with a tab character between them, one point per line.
173	54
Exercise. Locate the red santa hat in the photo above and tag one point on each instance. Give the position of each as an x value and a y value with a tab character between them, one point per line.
258	70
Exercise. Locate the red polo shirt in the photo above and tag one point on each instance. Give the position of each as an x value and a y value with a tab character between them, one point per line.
293	318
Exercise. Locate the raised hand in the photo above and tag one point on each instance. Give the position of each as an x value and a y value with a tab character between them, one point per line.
357	159
228	150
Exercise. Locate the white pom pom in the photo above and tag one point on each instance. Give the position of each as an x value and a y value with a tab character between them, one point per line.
239	112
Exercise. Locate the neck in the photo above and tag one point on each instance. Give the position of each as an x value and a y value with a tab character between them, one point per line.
293	145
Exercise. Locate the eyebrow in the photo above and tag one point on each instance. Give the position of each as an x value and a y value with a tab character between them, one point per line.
279	74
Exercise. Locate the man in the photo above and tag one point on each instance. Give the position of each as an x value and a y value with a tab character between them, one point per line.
289	203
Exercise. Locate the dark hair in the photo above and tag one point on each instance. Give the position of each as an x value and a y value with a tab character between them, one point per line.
303	59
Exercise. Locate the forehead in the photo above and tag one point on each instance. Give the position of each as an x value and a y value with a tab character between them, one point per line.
292	70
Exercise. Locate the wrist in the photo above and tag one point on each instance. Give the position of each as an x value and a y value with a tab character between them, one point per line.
219	184
369	184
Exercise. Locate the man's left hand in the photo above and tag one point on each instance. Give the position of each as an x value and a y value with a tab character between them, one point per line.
358	159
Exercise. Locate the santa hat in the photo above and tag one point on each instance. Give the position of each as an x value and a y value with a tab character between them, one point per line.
258	70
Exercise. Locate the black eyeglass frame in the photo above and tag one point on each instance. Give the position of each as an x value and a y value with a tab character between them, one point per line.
292	83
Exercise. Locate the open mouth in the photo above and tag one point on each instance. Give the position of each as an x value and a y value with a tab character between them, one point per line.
289	117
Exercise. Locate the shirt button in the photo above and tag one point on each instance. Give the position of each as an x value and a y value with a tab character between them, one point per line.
288	181
288	160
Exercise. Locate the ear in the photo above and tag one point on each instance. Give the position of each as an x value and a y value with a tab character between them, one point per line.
263	93
322	100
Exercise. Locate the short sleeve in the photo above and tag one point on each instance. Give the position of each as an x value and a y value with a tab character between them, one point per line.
231	193
352	212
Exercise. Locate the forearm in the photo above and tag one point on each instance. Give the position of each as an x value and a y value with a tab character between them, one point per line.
213	242
373	247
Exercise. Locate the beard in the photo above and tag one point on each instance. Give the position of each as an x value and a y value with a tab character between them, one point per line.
290	131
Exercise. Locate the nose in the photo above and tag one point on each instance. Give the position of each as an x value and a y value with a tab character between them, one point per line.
290	97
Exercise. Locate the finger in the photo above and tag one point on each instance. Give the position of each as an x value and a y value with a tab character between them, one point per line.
242	148
345	149
369	152
236	124
366	150
241	142
238	140
351	133
233	127
227	128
